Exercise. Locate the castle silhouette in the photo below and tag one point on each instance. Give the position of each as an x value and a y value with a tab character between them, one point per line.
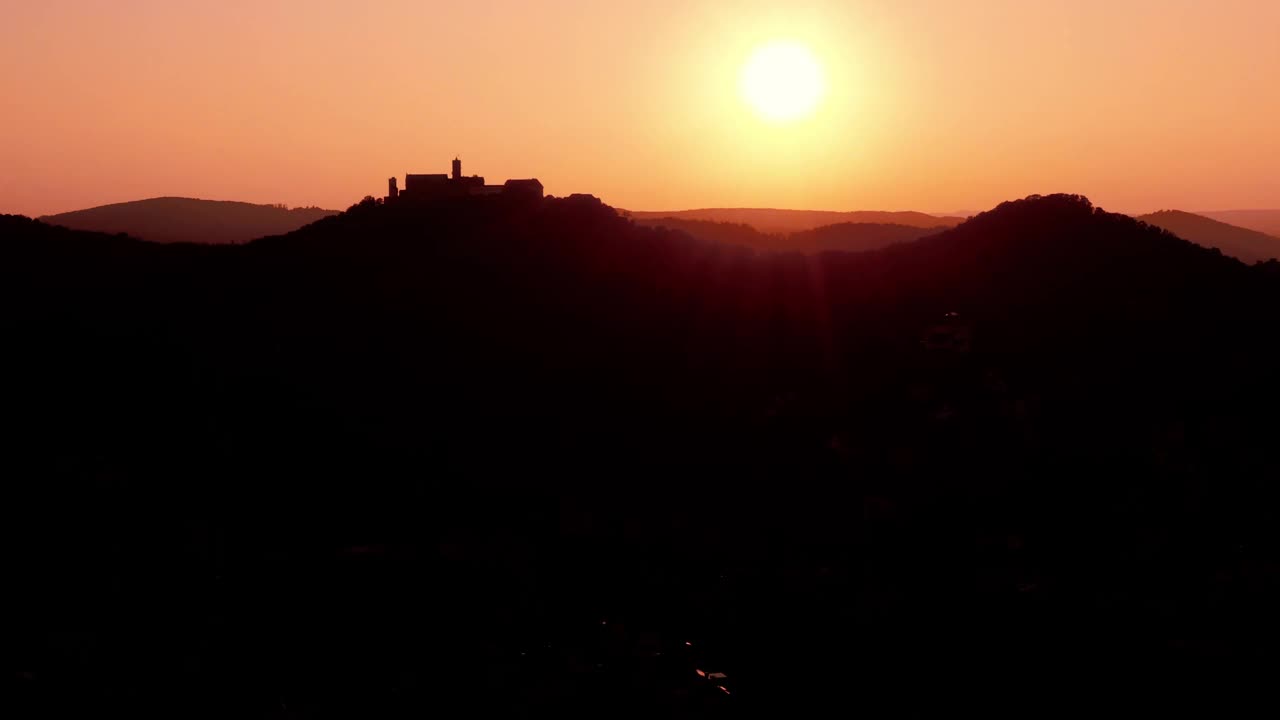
430	187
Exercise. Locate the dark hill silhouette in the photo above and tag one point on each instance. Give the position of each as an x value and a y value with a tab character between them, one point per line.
1263	221
720	232
768	220
1247	245
848	237
856	237
538	456
172	220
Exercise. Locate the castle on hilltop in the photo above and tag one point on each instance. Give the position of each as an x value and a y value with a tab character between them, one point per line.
432	187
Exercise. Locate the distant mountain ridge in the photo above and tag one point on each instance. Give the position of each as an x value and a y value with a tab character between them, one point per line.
1248	245
859	237
772	220
175	219
1264	221
841	237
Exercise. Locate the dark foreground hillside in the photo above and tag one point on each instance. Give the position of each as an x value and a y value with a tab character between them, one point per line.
535	460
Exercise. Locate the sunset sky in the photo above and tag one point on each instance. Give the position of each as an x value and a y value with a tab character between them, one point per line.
930	105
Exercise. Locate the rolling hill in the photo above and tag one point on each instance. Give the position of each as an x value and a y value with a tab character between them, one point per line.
174	220
730	233
857	237
1264	221
845	237
769	220
1247	245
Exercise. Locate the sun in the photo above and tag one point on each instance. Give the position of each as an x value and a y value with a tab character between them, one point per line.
783	81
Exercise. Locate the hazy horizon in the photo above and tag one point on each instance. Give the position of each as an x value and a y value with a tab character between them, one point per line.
935	213
926	106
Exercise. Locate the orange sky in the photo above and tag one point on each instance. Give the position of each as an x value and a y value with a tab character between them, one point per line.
932	105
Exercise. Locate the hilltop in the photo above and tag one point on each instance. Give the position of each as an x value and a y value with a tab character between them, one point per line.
176	220
1247	245
768	220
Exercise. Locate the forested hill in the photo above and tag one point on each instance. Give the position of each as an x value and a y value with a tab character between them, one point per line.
501	452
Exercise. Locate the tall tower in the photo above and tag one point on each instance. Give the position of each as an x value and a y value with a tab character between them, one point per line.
457	169
392	191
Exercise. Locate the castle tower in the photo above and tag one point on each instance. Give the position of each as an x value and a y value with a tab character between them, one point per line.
457	169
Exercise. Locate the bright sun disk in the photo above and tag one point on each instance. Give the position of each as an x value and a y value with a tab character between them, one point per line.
783	81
